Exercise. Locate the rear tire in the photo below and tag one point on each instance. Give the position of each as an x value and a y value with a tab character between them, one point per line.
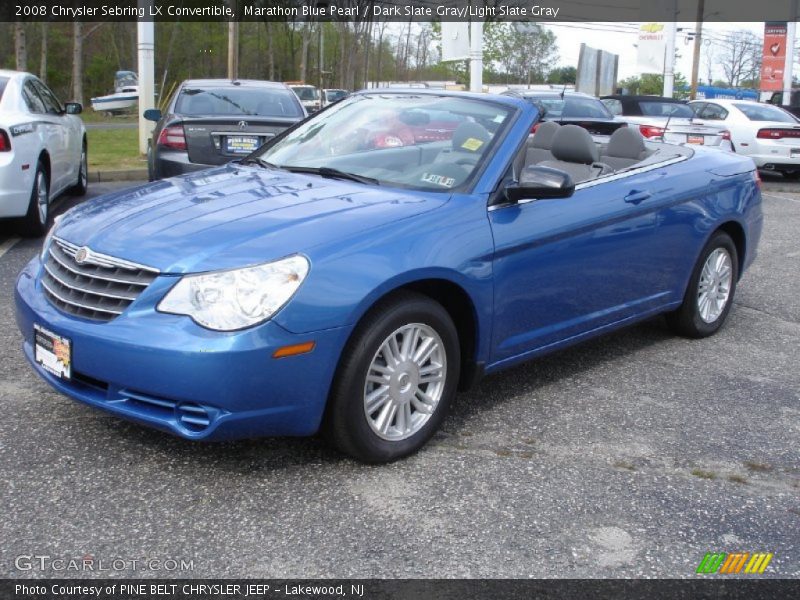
36	222
709	296
395	381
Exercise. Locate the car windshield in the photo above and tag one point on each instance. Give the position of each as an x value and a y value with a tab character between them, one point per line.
666	109
265	102
764	112
421	142
305	92
334	95
572	107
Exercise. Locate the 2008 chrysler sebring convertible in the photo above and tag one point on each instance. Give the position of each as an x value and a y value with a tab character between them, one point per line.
353	273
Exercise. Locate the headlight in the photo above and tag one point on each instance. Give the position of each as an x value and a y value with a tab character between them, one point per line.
239	298
49	237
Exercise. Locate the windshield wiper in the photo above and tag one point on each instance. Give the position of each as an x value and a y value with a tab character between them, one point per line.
334	174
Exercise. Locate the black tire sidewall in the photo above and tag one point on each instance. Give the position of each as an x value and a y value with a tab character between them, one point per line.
347	403
32	226
700	327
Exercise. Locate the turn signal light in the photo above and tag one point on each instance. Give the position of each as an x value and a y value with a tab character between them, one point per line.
172	137
5	143
294	350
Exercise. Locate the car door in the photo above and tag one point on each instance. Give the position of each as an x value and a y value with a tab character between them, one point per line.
60	142
563	268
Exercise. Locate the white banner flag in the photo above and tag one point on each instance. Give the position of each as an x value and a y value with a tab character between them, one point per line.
651	48
455	41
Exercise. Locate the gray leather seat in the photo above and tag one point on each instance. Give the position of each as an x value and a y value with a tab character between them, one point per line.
468	143
539	145
625	148
576	153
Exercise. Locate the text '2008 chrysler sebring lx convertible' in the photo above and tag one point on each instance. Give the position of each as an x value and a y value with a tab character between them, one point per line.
352	274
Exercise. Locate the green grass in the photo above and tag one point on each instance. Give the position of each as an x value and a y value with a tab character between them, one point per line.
90	116
114	149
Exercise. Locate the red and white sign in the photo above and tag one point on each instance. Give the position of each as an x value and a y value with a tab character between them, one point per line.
774	57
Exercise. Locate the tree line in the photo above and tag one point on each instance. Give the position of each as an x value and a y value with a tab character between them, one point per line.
78	60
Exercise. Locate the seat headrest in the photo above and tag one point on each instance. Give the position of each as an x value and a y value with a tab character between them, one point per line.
626	142
574	144
470	137
543	138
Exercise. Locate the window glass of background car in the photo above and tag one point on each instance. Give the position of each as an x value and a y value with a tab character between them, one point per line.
51	103
613	105
666	109
32	99
3	82
713	112
262	102
765	112
570	107
306	92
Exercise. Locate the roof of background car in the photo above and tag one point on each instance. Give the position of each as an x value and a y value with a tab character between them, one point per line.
513	101
233	83
11	73
553	94
732	101
643	98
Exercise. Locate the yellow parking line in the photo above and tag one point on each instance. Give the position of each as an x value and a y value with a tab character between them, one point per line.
8	245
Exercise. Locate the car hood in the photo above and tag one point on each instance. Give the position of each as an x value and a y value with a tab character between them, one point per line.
234	216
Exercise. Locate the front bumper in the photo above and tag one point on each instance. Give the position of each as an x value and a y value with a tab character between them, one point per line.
166	372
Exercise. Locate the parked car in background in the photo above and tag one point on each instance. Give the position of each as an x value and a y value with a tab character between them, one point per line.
329	96
667	118
794	101
768	134
572	108
42	151
309	96
321	285
210	122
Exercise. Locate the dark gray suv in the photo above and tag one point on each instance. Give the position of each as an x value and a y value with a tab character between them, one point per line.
211	122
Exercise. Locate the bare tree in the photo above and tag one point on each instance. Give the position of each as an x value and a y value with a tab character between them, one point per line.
43	52
20	46
77	61
739	56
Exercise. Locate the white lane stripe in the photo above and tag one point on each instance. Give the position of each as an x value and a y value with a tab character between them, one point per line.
8	245
768	195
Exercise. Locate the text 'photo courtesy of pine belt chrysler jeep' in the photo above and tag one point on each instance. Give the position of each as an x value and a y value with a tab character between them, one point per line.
355	272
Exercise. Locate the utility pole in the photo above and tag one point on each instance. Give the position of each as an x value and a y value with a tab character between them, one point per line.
146	46
476	57
698	44
789	60
669	58
233	50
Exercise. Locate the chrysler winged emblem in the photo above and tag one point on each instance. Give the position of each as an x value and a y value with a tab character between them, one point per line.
242	124
82	255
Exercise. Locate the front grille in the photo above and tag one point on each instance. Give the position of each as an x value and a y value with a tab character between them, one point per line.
98	288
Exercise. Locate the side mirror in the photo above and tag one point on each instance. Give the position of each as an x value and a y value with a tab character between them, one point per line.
73	108
540	183
152	114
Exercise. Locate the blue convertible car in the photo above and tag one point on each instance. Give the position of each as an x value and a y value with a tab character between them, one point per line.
357	270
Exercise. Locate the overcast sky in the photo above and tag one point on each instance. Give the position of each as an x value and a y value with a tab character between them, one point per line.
620	38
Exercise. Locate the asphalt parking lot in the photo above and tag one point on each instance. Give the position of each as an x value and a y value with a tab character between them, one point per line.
629	456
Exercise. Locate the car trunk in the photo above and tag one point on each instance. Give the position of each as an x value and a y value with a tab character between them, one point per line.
692	131
218	140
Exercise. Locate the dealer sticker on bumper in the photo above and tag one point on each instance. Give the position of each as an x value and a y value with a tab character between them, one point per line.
52	352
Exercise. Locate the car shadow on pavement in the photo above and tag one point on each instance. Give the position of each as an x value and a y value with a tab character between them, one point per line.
246	457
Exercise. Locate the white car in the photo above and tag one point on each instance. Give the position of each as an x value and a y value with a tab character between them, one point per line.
42	151
766	133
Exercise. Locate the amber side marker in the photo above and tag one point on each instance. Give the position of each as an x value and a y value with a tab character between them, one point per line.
294	350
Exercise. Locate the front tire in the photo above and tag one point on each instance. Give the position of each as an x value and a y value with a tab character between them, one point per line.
36	221
709	297
395	381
